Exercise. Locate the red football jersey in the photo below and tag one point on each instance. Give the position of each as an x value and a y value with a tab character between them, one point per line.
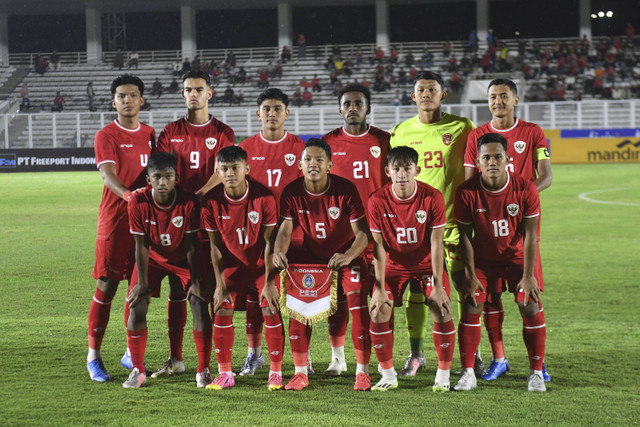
165	225
497	217
523	140
240	222
129	150
324	218
196	147
360	158
274	163
405	224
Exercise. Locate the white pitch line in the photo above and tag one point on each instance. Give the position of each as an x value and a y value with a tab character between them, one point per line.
584	196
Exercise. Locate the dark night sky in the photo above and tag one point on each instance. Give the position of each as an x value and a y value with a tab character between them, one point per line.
327	25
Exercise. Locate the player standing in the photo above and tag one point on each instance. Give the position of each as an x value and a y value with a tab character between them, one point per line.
196	139
358	152
164	222
497	214
272	156
328	210
240	216
122	150
407	220
440	139
528	152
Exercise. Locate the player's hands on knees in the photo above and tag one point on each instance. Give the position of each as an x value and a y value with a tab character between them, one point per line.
379	298
220	296
339	261
200	290
271	294
529	286
473	285
440	299
280	260
137	294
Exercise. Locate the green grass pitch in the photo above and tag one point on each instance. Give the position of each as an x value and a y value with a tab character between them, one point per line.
590	254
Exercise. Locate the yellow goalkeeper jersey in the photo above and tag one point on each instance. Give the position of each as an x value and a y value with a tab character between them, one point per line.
440	148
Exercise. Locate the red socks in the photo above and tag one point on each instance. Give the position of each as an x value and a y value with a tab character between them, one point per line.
382	340
98	318
176	320
274	335
254	323
534	333
493	318
203	347
338	323
360	322
444	339
137	343
299	336
223	336
469	334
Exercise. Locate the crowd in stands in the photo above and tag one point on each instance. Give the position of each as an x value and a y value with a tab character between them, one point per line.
566	70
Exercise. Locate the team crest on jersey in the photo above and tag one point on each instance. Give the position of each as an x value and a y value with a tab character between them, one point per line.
289	159
254	217
211	143
447	139
334	212
520	146
375	151
177	221
308	281
513	209
421	216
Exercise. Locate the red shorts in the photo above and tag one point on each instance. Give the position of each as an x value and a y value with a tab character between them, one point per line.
397	279
244	284
493	279
158	271
115	255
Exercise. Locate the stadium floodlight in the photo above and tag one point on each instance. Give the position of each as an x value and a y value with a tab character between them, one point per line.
601	14
609	14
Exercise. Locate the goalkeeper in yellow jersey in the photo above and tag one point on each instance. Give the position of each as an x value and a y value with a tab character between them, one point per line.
440	139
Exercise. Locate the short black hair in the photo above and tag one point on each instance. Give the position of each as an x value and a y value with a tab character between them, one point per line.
488	138
428	75
273	93
197	74
126	79
321	143
356	87
402	154
231	154
162	160
506	82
